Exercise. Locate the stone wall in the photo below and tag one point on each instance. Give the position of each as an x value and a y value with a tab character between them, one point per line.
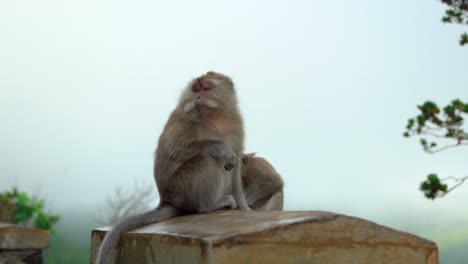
19	244
269	237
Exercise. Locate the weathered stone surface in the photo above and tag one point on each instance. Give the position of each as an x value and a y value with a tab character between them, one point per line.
21	256
20	237
269	237
19	244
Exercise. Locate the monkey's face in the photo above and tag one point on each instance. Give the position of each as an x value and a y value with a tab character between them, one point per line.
209	92
202	89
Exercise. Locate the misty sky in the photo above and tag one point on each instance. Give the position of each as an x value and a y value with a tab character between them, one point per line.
325	87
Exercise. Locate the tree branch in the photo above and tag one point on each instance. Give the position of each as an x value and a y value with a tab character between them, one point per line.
444	148
459	181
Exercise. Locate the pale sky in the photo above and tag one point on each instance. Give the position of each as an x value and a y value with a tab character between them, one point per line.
325	87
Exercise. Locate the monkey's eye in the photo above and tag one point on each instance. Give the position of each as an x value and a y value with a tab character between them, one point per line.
245	159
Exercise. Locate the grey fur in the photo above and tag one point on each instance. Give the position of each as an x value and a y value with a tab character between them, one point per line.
111	239
197	168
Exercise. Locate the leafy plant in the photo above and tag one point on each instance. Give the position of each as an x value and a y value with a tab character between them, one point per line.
442	125
18	207
434	187
458	14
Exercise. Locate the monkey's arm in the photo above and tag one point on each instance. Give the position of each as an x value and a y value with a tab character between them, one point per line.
238	192
215	148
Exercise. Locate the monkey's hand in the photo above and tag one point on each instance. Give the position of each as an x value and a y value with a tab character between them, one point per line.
245	208
223	151
241	201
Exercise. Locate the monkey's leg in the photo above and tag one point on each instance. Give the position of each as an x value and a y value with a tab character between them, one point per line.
236	183
214	183
259	193
275	203
206	186
227	202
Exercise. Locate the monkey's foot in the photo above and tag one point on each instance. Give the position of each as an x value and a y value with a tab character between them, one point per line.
228	203
245	207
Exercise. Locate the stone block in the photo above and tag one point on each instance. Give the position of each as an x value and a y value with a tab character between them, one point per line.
19	244
269	237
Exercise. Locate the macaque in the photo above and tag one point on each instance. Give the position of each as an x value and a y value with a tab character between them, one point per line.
197	165
263	186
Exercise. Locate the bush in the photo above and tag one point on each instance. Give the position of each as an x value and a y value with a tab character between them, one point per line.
20	208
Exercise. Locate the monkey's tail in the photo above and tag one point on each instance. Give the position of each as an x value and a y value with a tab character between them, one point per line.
161	213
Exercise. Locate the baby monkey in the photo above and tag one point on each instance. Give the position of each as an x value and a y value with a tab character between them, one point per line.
263	186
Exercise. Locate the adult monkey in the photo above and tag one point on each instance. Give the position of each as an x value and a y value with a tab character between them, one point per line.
198	158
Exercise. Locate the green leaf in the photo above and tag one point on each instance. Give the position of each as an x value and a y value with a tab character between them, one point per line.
20	216
421	120
410	123
445	19
449	110
433	178
465	108
406	134
450	12
22	199
423	142
429	108
42	221
443	187
457	104
38	204
425	185
463	39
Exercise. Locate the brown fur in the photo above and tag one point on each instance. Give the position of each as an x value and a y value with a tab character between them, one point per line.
183	129
260	180
198	158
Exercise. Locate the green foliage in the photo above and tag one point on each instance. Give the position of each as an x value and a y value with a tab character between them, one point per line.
432	187
463	39
447	124
458	14
24	209
443	125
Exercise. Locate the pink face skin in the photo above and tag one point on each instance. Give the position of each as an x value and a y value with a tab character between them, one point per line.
201	89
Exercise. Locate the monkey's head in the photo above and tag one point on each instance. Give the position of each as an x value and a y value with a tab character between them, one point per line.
211	92
247	160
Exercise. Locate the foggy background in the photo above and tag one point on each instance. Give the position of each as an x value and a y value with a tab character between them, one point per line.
325	87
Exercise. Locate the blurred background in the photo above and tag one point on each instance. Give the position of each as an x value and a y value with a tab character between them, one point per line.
325	87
